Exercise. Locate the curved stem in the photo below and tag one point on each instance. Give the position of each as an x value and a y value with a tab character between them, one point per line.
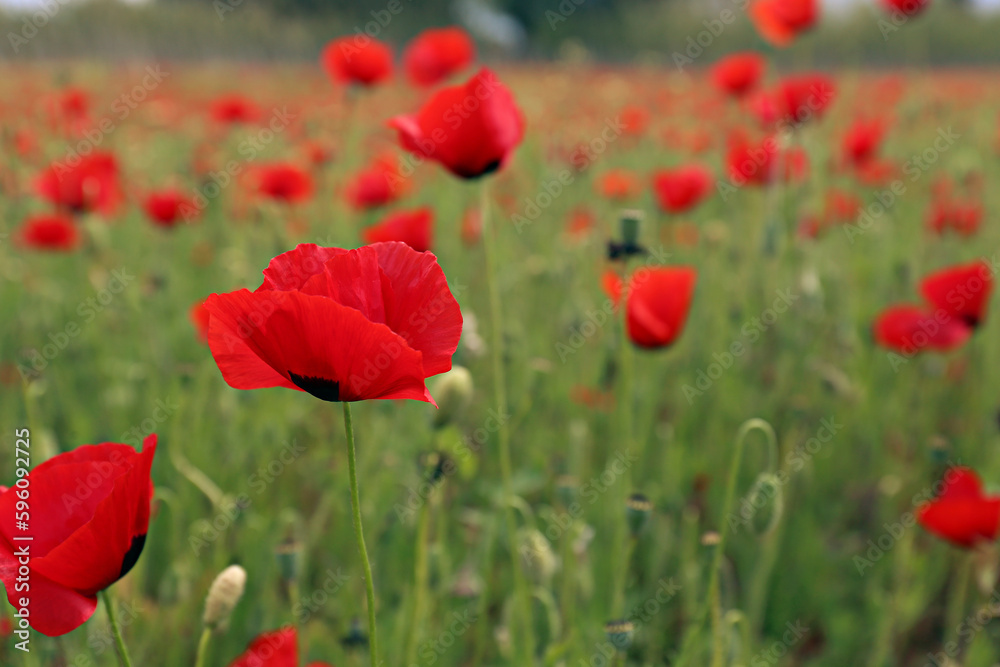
113	619
503	434
359	534
199	660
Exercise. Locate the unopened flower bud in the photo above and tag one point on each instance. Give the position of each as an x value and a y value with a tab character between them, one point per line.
620	633
637	509
288	554
224	593
453	393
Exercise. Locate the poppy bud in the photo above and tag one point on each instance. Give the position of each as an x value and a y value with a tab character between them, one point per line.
354	638
537	553
630	227
225	592
434	466
620	633
288	554
767	500
453	391
637	509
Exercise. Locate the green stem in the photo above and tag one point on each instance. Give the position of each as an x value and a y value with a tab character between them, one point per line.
113	619
626	397
521	594
419	582
359	534
957	600
206	635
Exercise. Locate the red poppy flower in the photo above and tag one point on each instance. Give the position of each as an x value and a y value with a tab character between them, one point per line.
909	329
357	59
168	207
906	7
802	97
862	141
414	228
436	54
681	189
962	218
89	517
471	129
657	303
634	120
342	325
91	184
962	513
74	103
739	73
752	163
781	21
376	185
233	110
49	232
963	292
284	182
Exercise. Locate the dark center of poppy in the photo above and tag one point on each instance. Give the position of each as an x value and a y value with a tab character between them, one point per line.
970	319
132	555
321	388
471	174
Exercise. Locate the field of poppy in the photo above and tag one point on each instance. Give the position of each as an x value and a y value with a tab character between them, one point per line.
404	358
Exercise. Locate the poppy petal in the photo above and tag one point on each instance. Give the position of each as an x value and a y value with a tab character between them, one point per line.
54	609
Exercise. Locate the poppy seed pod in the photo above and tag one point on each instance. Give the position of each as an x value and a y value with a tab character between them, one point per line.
453	391
566	489
637	509
620	633
224	593
288	554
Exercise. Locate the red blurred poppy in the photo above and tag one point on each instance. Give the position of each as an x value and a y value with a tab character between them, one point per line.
909	329
436	54
376	185
414	228
357	59
657	303
963	292
961	513
739	73
470	129
905	7
49	232
749	163
681	189
963	218
618	184
91	184
279	648
862	141
472	226
799	98
580	222
634	120
89	518
781	21
234	109
284	182
342	325
169	206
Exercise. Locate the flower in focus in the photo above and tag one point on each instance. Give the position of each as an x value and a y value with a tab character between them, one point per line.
90	514
342	325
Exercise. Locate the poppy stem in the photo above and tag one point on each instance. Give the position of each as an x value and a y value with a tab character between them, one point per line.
521	595
957	600
419	582
206	635
626	398
359	534
113	619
